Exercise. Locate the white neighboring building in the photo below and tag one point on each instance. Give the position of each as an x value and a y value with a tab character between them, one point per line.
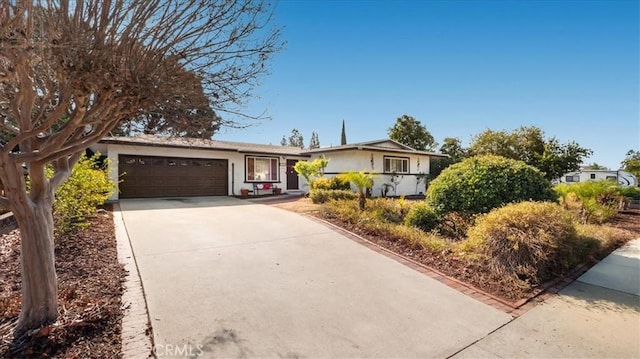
624	178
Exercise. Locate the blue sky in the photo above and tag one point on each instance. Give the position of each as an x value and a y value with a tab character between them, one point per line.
460	67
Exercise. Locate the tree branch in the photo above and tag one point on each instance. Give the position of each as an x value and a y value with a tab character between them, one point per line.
63	169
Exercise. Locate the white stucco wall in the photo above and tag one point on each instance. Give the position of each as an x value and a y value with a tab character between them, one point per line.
373	161
236	162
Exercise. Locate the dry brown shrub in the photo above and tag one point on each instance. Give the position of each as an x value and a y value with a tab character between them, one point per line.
531	240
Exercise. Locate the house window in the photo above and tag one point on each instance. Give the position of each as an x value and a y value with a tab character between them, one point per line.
396	165
592	176
262	169
572	179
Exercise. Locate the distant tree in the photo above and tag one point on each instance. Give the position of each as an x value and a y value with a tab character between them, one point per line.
409	131
631	163
283	141
529	145
343	136
524	144
296	139
595	166
558	159
315	141
452	146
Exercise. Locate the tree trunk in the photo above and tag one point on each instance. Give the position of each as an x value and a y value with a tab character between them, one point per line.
361	201
39	282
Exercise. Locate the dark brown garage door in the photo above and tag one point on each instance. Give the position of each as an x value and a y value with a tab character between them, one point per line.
146	176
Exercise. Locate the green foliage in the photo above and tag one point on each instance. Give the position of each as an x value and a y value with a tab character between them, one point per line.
363	181
592	201
81	194
321	164
529	145
389	210
422	216
452	146
310	170
315	141
325	195
377	222
295	139
631	163
409	131
594	166
630	192
337	182
479	184
531	240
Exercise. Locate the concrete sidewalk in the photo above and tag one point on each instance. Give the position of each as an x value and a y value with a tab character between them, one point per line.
229	278
597	316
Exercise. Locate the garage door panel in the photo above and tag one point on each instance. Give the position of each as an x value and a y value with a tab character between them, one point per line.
147	176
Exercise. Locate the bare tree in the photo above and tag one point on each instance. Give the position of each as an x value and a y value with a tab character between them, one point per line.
70	71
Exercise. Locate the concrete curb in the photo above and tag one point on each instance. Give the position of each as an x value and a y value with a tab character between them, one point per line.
136	334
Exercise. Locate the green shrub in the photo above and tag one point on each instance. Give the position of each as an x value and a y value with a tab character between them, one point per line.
321	183
479	184
530	240
333	183
79	196
346	211
370	222
631	193
389	210
362	180
414	237
592	201
422	216
324	195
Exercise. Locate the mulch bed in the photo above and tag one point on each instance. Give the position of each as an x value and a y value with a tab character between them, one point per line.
470	273
90	290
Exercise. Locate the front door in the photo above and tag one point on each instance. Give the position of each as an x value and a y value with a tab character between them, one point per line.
292	175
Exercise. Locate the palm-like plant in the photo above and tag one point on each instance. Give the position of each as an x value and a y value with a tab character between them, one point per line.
363	181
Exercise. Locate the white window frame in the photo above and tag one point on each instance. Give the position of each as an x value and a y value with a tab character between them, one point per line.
390	165
266	165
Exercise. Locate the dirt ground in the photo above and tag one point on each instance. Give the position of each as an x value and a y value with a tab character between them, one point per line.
469	273
90	289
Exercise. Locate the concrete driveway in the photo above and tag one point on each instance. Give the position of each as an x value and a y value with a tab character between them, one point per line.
230	278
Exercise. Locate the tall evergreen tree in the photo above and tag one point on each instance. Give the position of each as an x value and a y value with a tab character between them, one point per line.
343	137
296	139
315	141
283	141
